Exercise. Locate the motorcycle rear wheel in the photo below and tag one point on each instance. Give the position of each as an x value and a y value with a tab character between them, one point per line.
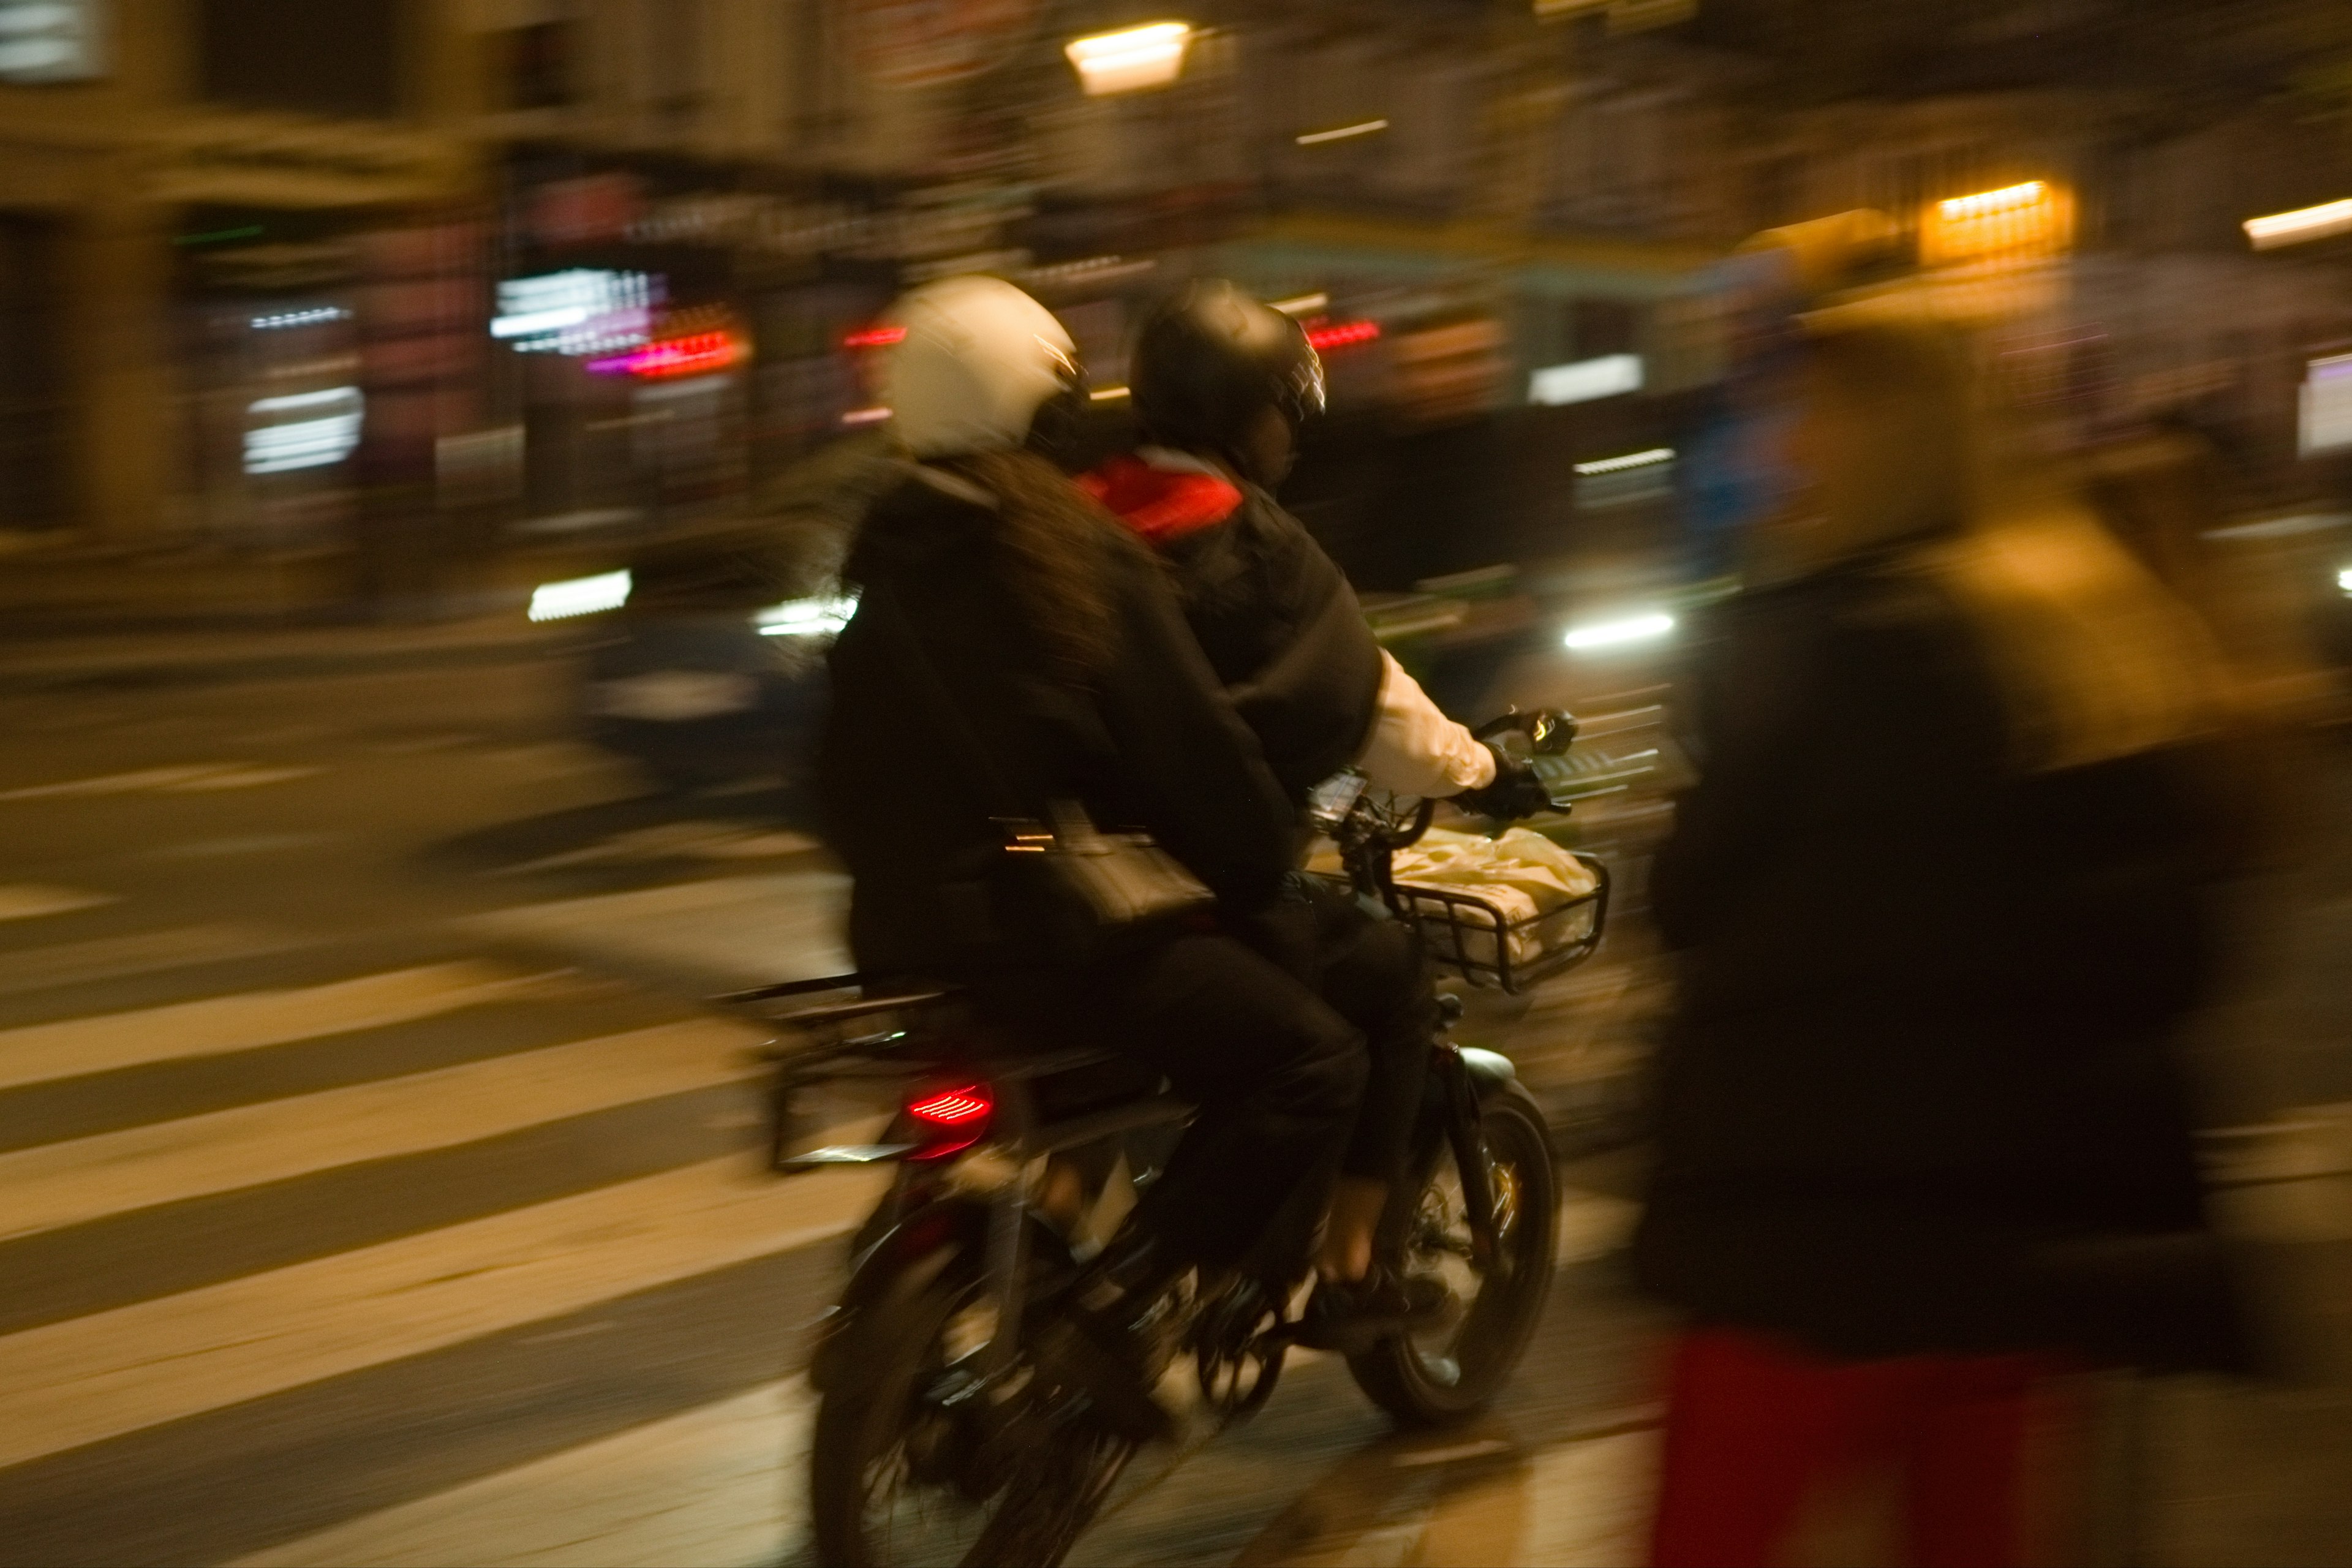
1452	1369
884	1469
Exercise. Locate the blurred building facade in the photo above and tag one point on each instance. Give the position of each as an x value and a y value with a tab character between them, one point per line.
281	274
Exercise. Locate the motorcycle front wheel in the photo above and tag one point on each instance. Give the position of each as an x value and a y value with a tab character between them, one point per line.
1452	1368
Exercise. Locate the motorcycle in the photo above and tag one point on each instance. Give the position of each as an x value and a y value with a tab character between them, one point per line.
942	1435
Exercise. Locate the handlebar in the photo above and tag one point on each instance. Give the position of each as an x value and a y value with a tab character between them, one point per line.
1549	732
1370	830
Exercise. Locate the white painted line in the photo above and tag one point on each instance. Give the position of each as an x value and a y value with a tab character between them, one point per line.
717	1486
92	1378
1478	1450
73	1047
121	784
27	901
58	1185
730	931
241	778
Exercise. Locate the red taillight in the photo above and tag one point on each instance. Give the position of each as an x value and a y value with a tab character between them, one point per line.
950	1120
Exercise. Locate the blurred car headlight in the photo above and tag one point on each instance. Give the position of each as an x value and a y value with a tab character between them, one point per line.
806	617
1619	630
580	596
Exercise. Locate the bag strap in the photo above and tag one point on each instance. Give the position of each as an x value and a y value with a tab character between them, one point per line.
916	668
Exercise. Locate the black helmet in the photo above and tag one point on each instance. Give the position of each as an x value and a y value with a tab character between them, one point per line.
1209	359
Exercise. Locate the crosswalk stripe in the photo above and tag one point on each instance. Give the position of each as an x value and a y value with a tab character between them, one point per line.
716	1486
58	1185
71	1047
120	783
25	900
241	778
141	952
87	1379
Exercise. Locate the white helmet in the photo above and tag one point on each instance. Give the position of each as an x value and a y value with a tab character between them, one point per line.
979	361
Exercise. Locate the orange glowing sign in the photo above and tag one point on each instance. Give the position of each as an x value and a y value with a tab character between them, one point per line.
2033	218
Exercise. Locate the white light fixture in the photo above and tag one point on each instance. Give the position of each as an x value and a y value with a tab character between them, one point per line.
52	40
1109	394
1611	375
1301	305
327	438
806	617
1612	634
2294	227
580	596
1650	458
1983	204
1131	59
2344	580
1341	134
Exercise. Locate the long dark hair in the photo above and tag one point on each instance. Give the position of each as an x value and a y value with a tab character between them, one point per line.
1052	549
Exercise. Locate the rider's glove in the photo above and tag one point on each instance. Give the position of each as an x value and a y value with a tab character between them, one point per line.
1517	792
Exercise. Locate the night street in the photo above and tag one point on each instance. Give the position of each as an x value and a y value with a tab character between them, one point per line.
377	1189
378	1195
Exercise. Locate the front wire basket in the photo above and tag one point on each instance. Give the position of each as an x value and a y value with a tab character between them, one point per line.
1469	932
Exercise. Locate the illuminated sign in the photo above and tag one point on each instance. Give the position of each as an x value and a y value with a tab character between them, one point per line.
327	430
52	40
1611	375
2032	218
1325	336
581	596
584	310
2326	423
697	353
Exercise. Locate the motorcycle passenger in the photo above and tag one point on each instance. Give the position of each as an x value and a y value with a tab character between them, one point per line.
1044	636
1222	385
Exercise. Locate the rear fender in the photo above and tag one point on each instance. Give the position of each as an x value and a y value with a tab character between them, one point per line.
949	1232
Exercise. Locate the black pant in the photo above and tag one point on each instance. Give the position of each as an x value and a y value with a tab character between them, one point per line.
1278	1075
1372	972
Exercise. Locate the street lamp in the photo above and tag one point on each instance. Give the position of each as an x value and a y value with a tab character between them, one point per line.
1131	59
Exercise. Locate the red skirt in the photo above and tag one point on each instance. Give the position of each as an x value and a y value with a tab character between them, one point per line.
1756	1426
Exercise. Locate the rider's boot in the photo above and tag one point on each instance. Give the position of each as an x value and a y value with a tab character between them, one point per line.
1111	1337
1353	1316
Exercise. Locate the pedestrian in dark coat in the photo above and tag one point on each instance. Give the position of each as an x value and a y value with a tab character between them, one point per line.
1940	902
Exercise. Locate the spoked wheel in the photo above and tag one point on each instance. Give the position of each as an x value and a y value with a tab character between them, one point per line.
907	1469
1452	1368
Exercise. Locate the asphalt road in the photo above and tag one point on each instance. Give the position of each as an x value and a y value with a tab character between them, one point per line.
373	1190
377	1191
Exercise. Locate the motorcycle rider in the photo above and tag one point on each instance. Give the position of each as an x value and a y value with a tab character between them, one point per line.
1002	613
1222	385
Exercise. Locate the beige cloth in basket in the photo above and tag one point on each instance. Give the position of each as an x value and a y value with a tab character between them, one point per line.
1523	874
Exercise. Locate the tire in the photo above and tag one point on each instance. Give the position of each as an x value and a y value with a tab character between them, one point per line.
1453	1369
894	1344
873	1423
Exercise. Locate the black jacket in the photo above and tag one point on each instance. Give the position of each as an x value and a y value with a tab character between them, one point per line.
1154	745
1277	619
1920	1091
